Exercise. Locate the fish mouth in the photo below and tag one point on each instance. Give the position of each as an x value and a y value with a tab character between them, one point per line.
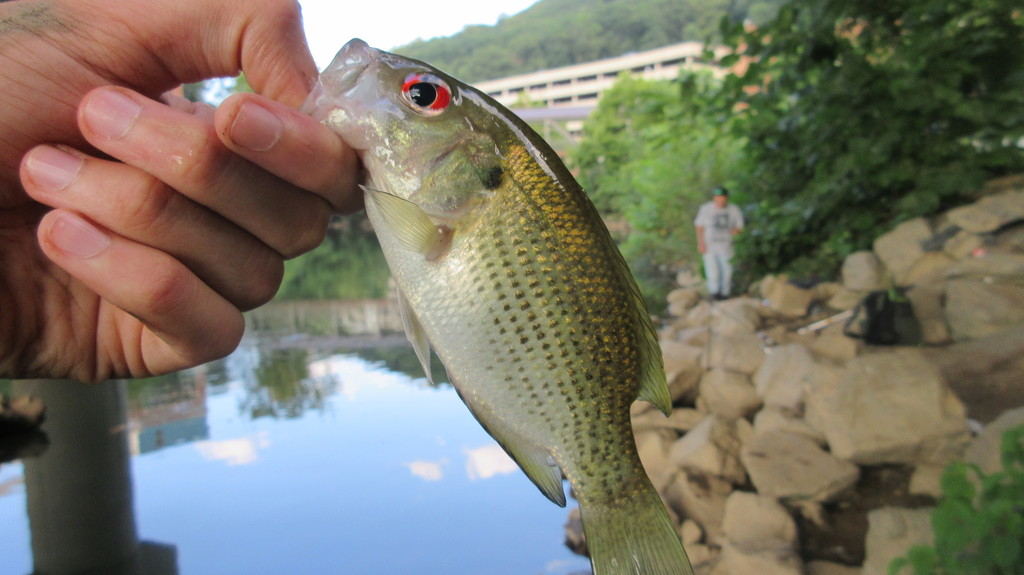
335	98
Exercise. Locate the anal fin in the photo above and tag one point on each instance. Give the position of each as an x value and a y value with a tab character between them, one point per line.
535	460
417	336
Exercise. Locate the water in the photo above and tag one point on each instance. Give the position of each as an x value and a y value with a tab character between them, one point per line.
295	460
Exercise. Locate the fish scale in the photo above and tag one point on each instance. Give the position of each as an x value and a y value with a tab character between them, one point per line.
506	271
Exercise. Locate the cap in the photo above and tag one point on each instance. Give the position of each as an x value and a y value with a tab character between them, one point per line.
720	191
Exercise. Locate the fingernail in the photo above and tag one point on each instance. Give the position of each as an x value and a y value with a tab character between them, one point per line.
77	237
52	168
111	114
255	128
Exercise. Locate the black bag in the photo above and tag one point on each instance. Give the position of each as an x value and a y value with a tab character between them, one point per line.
885	317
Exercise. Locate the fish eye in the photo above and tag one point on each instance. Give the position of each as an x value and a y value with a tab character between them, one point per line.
426	94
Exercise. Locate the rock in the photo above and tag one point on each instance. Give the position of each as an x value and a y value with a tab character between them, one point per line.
738	561
712	448
892	532
825	291
989	213
846	299
784	297
930	267
728	394
926	480
990	267
687	278
682	369
828	568
962	245
699	336
889	408
690	533
698	316
700	498
681	300
735	316
700	556
975	308
574	538
985	450
863	271
834	346
927	301
741	353
901	248
682	419
779	380
653	449
758	523
789	466
772	418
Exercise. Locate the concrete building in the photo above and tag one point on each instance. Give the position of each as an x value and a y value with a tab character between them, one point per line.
581	85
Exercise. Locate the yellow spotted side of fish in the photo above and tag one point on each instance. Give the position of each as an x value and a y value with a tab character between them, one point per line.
506	271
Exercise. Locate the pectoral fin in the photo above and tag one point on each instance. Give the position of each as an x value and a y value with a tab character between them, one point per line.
407	221
418	337
534	460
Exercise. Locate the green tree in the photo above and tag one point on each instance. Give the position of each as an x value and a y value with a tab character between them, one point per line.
858	115
650	153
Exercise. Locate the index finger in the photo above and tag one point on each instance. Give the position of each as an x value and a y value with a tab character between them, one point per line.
293	147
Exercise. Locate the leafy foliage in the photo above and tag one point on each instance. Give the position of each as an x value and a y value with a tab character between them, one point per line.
652	152
348	265
979	522
555	33
859	115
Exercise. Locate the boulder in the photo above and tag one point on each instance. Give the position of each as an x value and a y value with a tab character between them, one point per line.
690	532
889	408
785	298
742	353
681	300
772	418
789	466
735	316
891	533
962	245
653	448
901	248
682	368
758	523
779	380
927	480
985	450
989	213
834	346
829	568
863	271
712	448
846	299
977	308
738	561
700	498
929	268
686	278
991	267
728	394
927	301
681	420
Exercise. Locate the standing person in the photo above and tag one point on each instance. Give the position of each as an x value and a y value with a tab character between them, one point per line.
717	222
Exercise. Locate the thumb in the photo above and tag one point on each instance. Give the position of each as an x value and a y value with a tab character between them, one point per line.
153	45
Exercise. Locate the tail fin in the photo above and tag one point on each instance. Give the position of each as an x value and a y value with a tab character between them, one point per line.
633	539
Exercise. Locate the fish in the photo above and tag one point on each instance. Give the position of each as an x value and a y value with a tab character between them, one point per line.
506	271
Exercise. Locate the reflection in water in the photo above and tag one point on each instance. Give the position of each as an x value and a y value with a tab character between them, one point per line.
79	492
273	461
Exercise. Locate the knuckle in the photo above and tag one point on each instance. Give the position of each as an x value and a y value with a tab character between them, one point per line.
147	208
268	272
168	289
199	158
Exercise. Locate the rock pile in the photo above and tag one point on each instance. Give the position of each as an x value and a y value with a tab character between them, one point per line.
773	428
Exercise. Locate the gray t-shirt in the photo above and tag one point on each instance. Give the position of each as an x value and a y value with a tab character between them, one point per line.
718	223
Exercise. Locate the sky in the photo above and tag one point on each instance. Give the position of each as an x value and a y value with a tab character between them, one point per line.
388	24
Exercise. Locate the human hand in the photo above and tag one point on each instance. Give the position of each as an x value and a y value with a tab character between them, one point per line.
168	219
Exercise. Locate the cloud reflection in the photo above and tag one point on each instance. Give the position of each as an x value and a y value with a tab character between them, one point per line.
428	470
238	451
488	461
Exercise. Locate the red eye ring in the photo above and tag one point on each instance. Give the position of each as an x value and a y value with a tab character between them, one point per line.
426	93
